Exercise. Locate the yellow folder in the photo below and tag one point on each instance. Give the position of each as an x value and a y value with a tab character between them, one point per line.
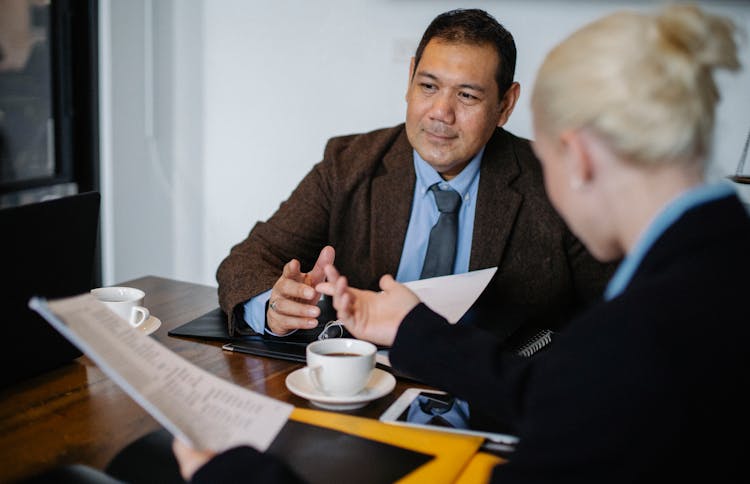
452	452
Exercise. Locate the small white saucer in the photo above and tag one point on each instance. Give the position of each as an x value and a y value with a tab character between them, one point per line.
381	383
150	325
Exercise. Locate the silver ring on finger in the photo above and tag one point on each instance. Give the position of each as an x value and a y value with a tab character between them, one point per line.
273	306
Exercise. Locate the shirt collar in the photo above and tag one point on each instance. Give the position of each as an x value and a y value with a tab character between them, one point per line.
660	223
428	176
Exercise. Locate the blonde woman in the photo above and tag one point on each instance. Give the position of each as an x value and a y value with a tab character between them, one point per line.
651	383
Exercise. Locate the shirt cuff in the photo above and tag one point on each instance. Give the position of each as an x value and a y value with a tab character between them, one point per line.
255	314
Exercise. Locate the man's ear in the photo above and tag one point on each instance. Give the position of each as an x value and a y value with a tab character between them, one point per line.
580	164
410	77
508	103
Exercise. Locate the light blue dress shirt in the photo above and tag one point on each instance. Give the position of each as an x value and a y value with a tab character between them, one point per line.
424	215
661	222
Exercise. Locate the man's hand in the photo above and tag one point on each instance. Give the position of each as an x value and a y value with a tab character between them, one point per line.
190	460
293	302
368	315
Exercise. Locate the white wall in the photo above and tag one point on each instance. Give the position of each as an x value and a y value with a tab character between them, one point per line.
151	139
247	93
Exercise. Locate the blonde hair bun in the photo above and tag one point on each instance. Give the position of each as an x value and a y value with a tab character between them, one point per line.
707	40
642	82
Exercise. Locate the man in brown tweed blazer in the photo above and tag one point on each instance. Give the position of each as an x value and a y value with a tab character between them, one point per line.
356	205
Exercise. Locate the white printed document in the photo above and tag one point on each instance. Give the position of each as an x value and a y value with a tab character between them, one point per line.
203	410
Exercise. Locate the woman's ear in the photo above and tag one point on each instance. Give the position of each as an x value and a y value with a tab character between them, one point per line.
577	155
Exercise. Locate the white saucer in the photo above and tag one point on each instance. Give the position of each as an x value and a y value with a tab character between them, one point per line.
381	383
150	325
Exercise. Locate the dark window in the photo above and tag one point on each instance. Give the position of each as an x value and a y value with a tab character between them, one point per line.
49	136
48	99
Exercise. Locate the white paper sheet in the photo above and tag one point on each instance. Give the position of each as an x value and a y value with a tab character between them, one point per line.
451	296
200	408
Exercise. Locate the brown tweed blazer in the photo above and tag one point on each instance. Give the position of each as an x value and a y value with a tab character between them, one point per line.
358	199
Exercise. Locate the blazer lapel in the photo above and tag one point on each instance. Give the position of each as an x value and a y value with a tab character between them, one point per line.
392	195
497	203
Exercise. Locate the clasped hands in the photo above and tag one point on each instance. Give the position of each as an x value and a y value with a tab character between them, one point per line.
368	315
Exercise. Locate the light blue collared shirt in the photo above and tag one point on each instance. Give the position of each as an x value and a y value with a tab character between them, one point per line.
424	214
661	222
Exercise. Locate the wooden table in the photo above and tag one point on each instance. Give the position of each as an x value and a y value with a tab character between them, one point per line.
76	414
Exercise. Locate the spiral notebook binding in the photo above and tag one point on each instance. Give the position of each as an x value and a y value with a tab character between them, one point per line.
536	343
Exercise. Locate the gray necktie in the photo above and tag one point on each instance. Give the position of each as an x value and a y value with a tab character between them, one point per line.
441	249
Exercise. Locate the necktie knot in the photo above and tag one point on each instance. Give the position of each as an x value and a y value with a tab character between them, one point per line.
447	201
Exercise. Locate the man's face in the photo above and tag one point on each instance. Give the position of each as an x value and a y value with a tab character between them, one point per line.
453	104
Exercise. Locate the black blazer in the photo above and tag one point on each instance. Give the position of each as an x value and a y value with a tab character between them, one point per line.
649	385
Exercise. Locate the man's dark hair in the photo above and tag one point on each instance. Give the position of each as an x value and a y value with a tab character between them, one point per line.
474	26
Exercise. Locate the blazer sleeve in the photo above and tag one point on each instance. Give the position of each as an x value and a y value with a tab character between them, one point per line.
462	360
244	464
298	230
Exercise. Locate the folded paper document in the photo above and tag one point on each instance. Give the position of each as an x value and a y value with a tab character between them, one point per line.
200	408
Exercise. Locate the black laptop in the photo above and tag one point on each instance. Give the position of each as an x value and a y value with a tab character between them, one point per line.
46	249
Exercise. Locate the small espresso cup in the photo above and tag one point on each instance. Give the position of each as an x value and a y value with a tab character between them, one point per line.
340	366
126	302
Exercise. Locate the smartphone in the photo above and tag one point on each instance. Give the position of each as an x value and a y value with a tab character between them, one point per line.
436	410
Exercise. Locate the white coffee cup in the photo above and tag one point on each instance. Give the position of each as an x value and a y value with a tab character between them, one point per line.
340	366
126	302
